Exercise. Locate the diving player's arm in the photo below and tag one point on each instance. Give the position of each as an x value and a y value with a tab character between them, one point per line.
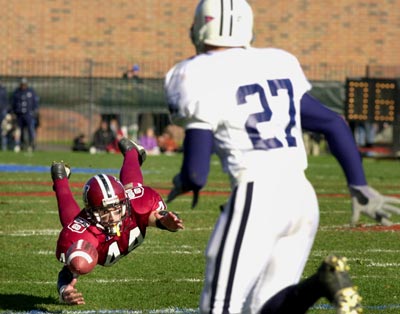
66	287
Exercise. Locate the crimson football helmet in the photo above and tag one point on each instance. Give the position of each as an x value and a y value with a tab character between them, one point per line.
106	202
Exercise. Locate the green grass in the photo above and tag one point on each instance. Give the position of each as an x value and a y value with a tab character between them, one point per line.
167	270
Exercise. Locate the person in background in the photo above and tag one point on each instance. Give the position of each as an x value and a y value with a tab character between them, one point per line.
103	137
4	108
118	135
133	74
25	106
167	143
149	142
79	143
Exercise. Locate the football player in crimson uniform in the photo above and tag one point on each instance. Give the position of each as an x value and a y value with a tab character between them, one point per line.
115	216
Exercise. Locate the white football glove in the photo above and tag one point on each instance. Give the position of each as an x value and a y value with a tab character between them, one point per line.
368	201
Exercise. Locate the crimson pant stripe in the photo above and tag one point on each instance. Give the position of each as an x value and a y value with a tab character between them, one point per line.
221	250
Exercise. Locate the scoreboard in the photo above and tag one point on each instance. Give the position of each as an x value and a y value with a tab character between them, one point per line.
374	100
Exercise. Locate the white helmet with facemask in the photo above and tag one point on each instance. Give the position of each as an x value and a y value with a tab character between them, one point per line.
222	23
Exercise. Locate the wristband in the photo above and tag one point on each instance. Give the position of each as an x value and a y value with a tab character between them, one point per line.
60	292
158	222
160	225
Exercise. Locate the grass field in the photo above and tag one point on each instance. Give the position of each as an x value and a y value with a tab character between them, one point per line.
165	274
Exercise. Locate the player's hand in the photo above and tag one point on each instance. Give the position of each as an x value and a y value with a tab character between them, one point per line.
368	201
71	296
179	189
170	220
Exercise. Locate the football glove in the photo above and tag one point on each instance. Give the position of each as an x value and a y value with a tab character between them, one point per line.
368	201
179	189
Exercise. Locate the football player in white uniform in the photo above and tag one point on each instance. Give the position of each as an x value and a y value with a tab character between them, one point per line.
249	106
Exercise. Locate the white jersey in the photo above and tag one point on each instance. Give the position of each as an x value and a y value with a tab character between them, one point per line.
250	99
251	104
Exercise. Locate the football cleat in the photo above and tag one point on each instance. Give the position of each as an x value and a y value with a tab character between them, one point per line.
125	145
340	291
60	170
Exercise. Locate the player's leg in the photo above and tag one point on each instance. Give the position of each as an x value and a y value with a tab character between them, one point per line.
217	270
30	122
293	246
237	252
134	156
331	280
68	208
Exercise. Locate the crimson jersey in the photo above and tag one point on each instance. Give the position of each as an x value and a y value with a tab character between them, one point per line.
143	201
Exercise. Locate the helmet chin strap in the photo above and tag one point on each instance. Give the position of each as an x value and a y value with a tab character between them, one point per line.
111	230
118	231
115	229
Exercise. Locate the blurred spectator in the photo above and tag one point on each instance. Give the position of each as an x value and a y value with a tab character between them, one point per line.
364	133
312	142
79	144
384	134
118	134
132	74
149	141
102	138
167	142
25	106
9	131
4	107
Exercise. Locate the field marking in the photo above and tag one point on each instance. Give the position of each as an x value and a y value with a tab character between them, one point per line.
362	228
322	307
50	232
101	281
32	232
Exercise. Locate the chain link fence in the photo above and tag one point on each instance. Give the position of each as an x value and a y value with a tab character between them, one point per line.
75	96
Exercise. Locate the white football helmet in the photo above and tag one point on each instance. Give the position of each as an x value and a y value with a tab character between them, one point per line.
222	23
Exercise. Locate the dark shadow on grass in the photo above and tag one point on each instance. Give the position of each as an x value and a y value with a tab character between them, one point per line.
24	302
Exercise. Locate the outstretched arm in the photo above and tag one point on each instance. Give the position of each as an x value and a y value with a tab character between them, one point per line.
166	220
365	200
66	288
318	118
